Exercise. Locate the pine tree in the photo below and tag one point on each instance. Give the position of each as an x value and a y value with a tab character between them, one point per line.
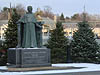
10	36
11	31
58	44
84	45
62	17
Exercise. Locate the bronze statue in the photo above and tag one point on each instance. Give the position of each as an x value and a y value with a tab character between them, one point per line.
29	31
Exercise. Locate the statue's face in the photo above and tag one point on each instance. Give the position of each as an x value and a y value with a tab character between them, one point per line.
29	8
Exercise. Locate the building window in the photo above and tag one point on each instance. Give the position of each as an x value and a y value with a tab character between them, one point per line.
45	33
3	29
70	32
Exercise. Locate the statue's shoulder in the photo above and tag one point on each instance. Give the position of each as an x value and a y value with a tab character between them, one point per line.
29	17
23	16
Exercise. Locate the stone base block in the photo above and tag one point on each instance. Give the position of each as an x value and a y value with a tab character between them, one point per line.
28	57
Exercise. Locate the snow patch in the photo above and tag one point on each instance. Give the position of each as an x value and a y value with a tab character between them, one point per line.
3	68
88	67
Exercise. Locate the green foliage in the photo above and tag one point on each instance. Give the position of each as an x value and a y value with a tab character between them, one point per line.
0	43
11	31
67	17
5	8
58	44
3	58
84	45
10	37
75	17
62	17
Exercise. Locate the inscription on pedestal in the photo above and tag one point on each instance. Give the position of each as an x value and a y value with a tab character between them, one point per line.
34	57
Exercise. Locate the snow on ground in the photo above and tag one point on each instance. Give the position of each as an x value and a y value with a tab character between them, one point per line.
3	68
88	67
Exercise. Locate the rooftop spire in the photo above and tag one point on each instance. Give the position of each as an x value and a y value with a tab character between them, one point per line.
10	5
84	14
84	8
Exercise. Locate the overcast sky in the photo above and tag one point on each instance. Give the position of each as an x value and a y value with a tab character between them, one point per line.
68	7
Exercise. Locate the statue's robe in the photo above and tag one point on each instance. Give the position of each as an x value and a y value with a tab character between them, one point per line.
27	31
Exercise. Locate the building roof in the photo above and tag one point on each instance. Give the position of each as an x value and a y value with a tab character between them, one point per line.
49	22
70	25
74	24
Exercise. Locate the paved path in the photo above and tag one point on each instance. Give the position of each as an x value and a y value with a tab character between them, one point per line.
80	73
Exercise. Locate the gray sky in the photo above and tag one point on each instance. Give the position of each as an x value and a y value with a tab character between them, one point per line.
68	7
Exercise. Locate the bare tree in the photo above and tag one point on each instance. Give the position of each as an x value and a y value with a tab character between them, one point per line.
5	11
47	12
20	9
47	9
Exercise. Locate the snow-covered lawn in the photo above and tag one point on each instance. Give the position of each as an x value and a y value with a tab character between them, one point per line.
88	67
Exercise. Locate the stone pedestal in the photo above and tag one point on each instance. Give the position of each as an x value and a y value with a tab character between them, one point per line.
28	57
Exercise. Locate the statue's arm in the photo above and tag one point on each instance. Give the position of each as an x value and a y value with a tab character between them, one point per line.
21	20
19	27
39	24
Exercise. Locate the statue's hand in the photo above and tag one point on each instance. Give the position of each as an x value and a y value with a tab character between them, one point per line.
38	25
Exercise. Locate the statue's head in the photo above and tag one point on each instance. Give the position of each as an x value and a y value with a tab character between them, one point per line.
29	8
